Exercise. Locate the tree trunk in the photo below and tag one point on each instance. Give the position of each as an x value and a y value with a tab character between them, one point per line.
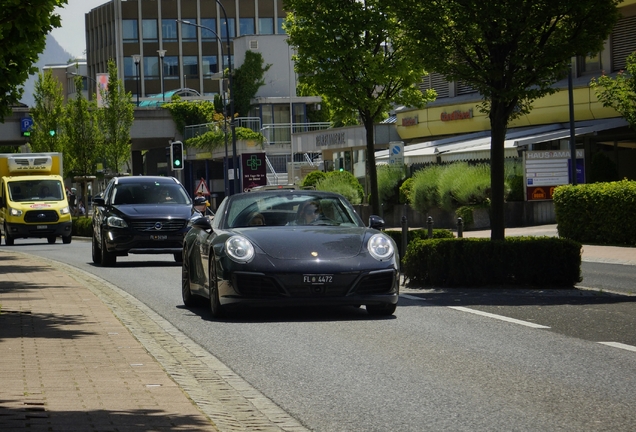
372	170
498	128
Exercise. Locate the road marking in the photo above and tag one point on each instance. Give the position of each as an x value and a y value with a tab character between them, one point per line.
499	317
620	345
486	314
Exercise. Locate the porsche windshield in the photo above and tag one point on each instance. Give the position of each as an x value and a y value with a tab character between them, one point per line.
289	209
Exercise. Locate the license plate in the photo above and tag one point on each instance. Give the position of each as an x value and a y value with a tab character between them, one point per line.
317	279
43	226
158	237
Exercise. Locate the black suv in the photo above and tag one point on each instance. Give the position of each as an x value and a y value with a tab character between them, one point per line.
140	215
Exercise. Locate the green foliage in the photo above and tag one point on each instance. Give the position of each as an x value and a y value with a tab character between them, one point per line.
82	226
510	52
344	183
418	234
405	190
23	30
84	146
597	213
116	119
47	114
215	137
389	180
620	92
188	113
247	79
466	213
355	54
312	178
424	193
477	262
603	169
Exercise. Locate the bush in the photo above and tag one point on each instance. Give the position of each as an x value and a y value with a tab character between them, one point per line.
389	179
479	262
598	213
312	178
82	226
344	183
418	234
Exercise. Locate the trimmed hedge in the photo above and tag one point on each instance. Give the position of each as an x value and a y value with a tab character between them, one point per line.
82	226
597	213
418	234
537	261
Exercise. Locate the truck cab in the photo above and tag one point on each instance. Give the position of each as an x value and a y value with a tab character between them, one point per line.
33	201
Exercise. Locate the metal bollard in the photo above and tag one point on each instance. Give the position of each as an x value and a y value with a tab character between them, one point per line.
405	234
429	224
460	227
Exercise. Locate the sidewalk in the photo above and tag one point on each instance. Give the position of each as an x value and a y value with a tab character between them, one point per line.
78	354
68	364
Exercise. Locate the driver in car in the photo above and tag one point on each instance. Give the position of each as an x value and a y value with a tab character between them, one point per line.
308	213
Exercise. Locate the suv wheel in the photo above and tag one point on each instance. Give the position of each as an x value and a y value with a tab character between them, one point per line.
108	258
97	253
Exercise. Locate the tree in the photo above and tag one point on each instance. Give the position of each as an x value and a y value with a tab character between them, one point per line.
355	54
83	133
23	30
247	79
47	134
619	92
512	52
116	119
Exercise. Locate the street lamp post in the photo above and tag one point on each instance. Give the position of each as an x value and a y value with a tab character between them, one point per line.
222	90
162	54
137	59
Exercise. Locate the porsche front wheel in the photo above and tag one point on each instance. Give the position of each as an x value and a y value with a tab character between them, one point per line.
218	311
186	292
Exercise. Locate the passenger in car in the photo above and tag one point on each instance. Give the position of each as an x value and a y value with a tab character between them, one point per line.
257	219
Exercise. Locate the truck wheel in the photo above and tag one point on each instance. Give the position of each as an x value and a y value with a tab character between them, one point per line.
7	238
51	239
97	253
108	258
67	239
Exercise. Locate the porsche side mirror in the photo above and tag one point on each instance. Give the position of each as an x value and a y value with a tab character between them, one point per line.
376	222
202	222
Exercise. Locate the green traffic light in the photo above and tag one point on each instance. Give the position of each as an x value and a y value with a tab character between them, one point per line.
52	132
177	163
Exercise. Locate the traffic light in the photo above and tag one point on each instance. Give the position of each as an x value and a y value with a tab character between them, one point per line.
52	132
176	155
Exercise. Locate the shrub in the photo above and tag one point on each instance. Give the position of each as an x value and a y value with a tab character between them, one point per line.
344	183
82	226
312	178
389	178
424	191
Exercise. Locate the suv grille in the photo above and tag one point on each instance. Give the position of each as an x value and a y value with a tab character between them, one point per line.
37	216
166	225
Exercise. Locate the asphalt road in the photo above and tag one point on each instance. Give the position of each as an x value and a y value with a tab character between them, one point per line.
469	360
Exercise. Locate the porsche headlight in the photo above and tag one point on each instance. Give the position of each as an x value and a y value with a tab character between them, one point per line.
116	222
239	249
380	247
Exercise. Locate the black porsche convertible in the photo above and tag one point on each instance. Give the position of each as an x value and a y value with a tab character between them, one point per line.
289	248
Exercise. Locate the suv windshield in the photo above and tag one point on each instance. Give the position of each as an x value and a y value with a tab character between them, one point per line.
150	193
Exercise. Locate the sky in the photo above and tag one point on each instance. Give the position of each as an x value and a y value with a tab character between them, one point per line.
72	35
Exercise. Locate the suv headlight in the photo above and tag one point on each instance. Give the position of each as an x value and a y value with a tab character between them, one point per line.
239	249
380	247
116	222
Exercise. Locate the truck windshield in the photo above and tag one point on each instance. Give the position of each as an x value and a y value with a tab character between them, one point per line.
36	190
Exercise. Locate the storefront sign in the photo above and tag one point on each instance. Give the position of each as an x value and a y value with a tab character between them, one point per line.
410	121
336	138
457	115
254	170
545	170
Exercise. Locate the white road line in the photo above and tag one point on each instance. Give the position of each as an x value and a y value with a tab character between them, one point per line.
486	314
620	345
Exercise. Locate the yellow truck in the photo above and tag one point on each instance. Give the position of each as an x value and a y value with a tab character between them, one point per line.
33	201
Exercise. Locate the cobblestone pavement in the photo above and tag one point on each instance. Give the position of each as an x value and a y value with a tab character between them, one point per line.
79	354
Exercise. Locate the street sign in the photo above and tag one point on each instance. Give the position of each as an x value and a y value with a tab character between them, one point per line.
26	124
396	153
202	188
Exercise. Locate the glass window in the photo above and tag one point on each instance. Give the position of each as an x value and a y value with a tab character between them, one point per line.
149	30
226	61
129	29
151	67
247	26
266	26
190	66
169	30
590	64
224	28
170	67
209	65
189	32
281	30
206	34
130	69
